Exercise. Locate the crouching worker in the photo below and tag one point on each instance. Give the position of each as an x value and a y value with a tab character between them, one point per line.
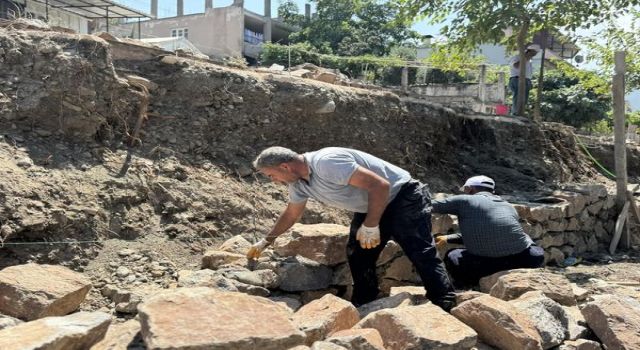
489	229
386	202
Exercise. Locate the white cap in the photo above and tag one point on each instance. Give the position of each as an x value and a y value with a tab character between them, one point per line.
534	47
479	181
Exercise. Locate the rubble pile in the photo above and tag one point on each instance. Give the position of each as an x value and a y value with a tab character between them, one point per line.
239	305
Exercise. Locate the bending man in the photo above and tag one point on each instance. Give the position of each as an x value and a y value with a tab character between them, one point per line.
489	228
386	202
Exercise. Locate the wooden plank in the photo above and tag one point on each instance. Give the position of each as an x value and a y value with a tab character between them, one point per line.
619	226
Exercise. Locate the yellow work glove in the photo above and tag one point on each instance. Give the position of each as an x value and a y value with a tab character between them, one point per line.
441	241
369	237
257	249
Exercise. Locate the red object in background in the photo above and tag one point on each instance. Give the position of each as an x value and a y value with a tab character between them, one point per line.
502	109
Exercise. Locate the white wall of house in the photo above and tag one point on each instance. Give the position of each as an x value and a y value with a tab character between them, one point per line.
60	18
219	32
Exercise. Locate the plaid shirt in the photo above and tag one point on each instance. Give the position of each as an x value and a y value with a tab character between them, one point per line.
488	224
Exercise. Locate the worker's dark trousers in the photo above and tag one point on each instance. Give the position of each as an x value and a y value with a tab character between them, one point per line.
466	269
407	219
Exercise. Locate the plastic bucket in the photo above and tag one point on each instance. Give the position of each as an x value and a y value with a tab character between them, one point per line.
502	109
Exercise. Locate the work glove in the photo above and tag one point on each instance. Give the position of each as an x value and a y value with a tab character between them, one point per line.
441	241
257	249
369	237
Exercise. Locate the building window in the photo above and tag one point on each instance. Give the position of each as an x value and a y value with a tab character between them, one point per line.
180	32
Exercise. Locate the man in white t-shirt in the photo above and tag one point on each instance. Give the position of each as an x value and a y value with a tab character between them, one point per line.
514	63
386	202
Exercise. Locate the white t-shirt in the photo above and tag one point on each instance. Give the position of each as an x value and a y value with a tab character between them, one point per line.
515	72
331	169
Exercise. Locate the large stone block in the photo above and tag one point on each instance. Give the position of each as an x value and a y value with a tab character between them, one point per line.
261	278
498	323
8	321
615	320
33	291
401	269
225	320
580	344
576	201
214	259
324	243
299	274
119	336
508	285
549	317
402	299
324	316
358	339
79	331
577	323
205	278
236	244
390	252
419	327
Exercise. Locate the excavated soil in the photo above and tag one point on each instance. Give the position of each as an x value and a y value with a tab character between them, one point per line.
80	183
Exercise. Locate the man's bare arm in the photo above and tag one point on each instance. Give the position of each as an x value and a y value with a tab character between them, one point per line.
378	189
289	216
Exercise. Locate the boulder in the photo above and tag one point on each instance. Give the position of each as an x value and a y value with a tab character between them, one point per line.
467	295
401	269
549	317
310	295
580	344
342	275
214	259
290	303
577	323
205	278
391	251
498	323
8	321
324	316
419	327
236	244
119	336
225	320
298	274
78	331
418	293
33	291
325	345
323	243
358	339
513	283
615	320
577	201
260	278
402	299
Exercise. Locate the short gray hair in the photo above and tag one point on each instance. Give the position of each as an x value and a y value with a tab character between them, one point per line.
274	156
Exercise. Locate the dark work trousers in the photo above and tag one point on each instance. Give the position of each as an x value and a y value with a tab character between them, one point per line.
407	219
466	269
513	85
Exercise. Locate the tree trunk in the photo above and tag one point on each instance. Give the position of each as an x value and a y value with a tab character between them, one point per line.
522	81
537	115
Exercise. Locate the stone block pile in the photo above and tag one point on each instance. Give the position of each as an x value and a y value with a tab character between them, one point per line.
518	309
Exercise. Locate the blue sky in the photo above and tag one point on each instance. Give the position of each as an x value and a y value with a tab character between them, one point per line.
167	8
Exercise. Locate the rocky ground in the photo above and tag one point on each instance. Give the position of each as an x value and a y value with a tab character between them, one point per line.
131	173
